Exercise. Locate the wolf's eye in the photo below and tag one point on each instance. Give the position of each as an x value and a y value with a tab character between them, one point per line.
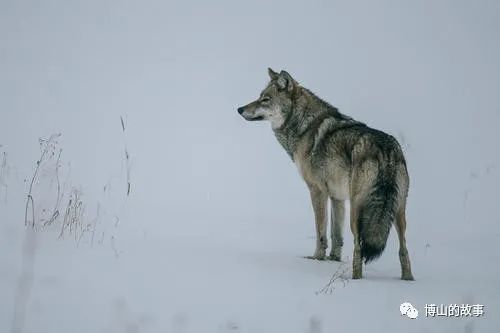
265	99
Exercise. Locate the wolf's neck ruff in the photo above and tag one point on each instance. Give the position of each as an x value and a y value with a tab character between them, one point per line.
301	119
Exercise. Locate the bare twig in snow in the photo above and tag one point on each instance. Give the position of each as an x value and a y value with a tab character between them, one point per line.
338	277
123	123
46	146
55	213
127	158
73	217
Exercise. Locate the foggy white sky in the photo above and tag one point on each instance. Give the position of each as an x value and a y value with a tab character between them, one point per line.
177	71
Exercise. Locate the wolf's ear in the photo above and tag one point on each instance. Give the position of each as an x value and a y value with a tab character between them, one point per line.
272	74
285	81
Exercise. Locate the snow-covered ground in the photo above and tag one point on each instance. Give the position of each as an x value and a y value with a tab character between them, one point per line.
212	235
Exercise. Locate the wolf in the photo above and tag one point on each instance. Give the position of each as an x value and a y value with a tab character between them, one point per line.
339	159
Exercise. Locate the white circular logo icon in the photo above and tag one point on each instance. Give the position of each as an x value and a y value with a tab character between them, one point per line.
408	310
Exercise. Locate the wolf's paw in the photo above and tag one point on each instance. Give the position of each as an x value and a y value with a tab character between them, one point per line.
335	254
319	254
334	257
315	258
407	277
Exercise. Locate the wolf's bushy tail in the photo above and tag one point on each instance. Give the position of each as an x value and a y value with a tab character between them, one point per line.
377	214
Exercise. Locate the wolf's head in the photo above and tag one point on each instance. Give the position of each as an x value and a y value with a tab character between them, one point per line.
275	101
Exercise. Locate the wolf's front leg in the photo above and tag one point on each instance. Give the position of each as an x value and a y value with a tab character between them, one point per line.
319	201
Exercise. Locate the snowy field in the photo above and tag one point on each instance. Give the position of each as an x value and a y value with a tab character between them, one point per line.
157	208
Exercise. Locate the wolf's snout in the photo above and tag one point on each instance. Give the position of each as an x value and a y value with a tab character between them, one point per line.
240	110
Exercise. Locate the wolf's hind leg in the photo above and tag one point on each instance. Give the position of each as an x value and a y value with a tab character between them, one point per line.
404	258
337	225
357	263
319	201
